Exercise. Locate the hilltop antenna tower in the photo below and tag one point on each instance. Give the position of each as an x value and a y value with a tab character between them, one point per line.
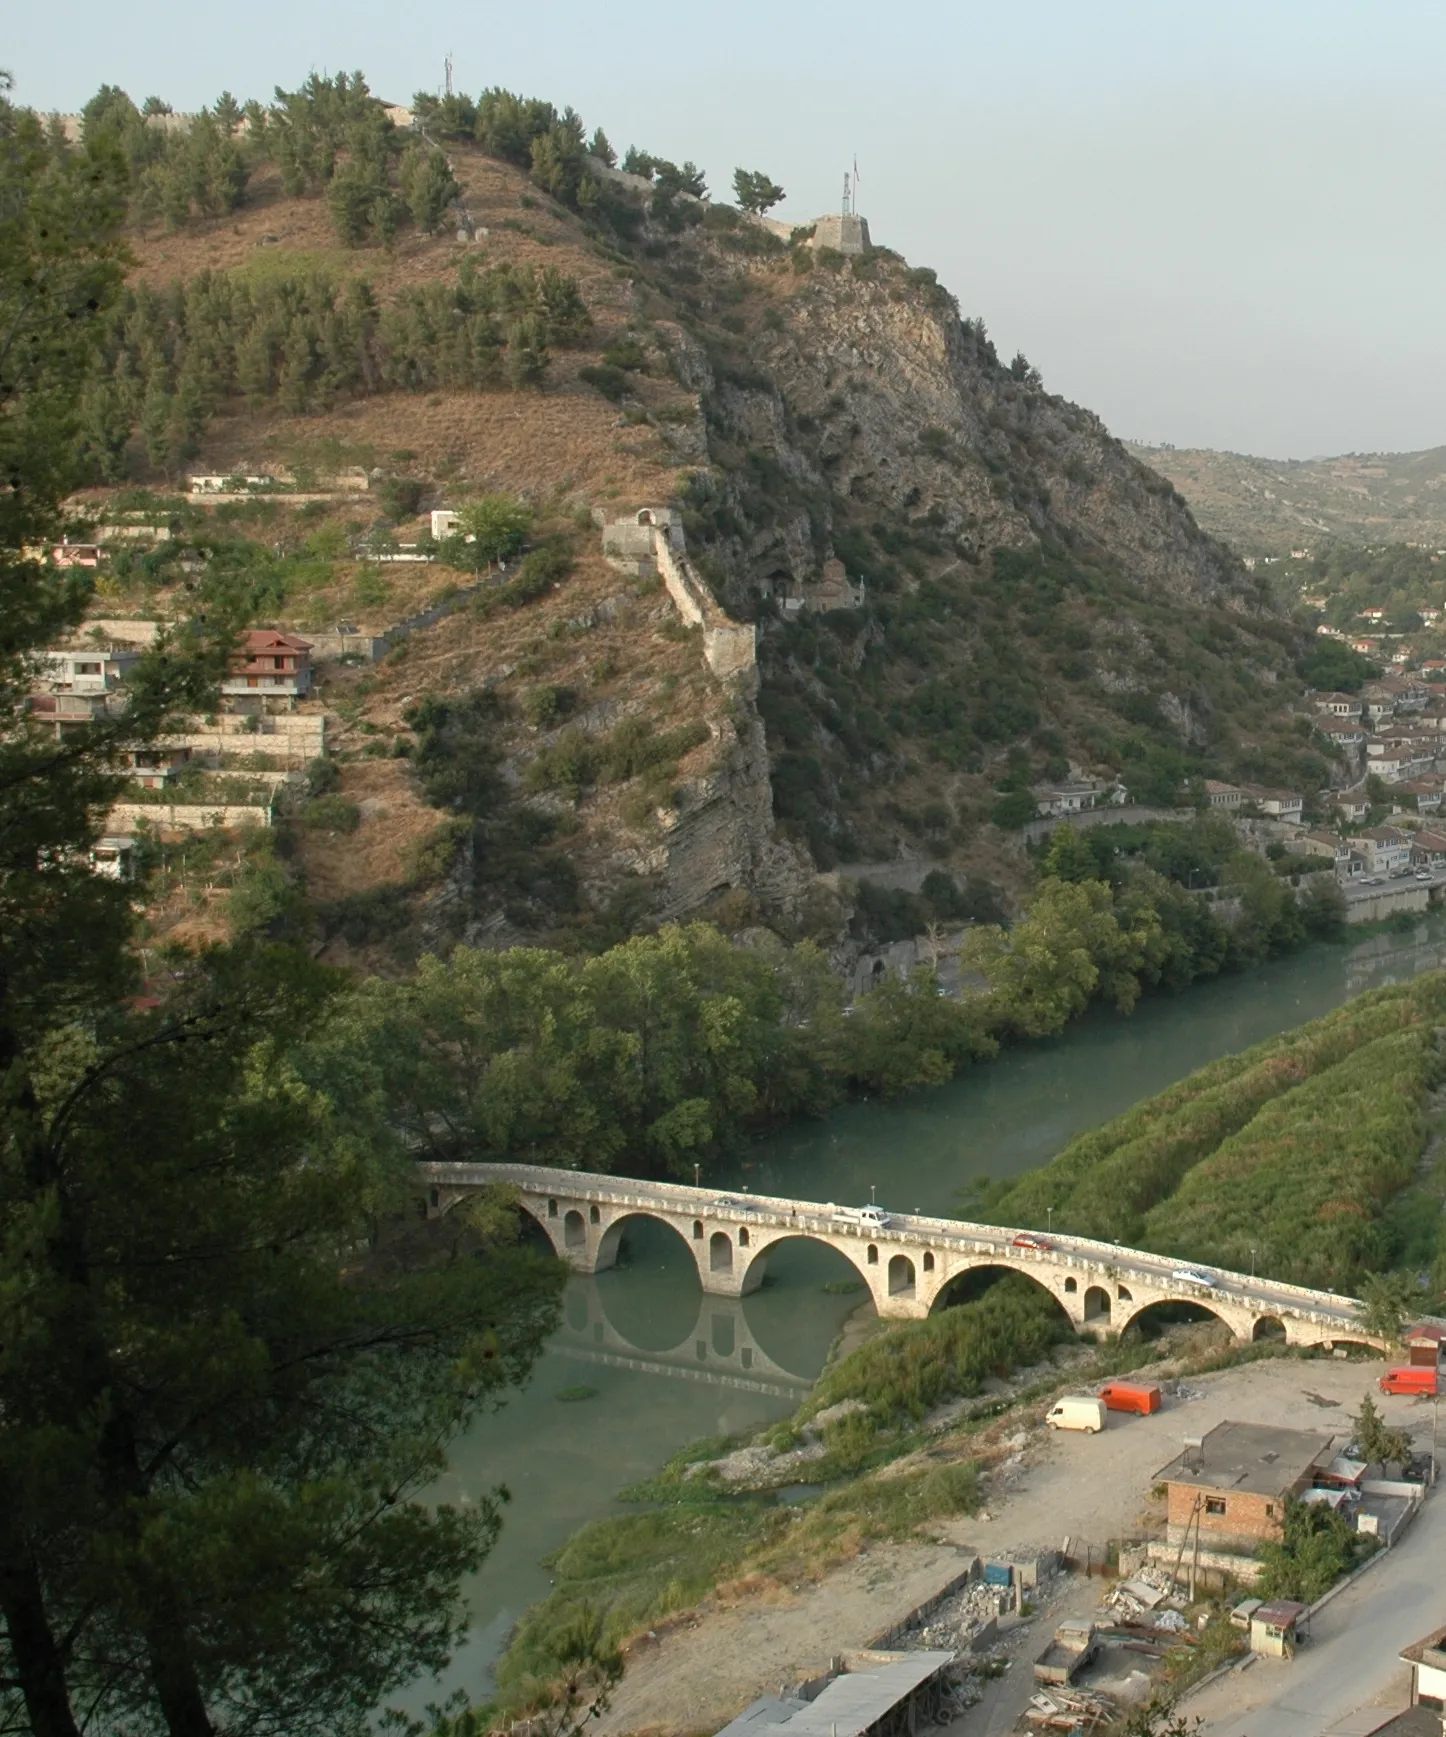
448	65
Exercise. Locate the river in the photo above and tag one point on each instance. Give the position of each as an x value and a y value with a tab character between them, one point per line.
647	1364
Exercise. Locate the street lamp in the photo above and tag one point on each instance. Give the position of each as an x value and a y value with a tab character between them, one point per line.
1049	1219
873	1194
1252	1263
697	1174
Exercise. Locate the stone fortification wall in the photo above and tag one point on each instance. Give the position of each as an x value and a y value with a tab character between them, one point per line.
731	647
652	540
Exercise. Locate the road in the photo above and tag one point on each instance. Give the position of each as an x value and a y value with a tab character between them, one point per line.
1357	890
1351	1660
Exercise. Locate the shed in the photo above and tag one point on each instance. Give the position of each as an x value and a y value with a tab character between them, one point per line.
1423	1344
897	1695
1273	1628
1427	1659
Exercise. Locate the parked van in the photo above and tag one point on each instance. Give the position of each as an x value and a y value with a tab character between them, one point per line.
1078	1411
1142	1397
1415	1378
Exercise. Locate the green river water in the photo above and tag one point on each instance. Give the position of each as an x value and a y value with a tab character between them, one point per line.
664	1363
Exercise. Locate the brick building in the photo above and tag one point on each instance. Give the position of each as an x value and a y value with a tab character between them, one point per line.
1235	1482
270	665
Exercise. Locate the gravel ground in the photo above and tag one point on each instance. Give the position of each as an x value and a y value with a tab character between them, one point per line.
698	1675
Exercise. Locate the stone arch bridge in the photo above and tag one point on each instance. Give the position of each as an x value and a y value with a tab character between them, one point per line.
908	1264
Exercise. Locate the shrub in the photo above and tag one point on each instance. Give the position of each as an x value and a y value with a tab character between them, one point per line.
607	379
331	813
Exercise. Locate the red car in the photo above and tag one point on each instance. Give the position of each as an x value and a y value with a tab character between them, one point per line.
1027	1239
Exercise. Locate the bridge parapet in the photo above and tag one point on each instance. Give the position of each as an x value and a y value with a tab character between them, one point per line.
907	1264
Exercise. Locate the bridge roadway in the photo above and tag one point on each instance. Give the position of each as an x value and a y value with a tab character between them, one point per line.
908	1264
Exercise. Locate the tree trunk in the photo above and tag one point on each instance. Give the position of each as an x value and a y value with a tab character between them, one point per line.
37	1659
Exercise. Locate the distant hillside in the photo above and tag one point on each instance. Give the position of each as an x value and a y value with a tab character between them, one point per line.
1268	506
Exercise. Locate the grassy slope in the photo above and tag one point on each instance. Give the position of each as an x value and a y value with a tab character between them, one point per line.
1305	1148
888	727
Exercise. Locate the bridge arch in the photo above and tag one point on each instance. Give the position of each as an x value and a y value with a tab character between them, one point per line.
755	1272
970	1283
1268	1327
665	1241
902	1276
1168	1312
1097	1306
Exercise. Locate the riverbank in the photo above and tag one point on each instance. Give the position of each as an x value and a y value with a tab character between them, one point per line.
667	1365
702	1668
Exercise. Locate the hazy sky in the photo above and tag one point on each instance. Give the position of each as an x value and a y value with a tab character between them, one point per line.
1217	222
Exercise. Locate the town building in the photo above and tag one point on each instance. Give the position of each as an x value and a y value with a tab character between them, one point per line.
1075	798
1428	849
1385	849
270	665
1427	1659
1423	1344
1339	705
89	671
1220	795
1277	804
1273	1628
1230	1487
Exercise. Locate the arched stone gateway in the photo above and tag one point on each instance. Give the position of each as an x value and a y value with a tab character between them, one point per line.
911	1264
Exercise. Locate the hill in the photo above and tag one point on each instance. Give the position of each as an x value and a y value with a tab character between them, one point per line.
1264	506
1306	1154
961	584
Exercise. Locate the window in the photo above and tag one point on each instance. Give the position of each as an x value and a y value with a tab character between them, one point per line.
1215	1505
1270	1510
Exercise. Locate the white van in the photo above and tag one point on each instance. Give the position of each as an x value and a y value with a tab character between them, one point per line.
1078	1411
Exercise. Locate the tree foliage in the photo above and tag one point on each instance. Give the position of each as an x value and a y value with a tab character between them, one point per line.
224	1378
755	191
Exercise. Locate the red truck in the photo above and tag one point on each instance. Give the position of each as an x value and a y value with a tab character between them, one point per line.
1412	1378
1141	1397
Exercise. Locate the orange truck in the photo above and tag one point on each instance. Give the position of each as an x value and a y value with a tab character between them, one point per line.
1142	1397
1413	1378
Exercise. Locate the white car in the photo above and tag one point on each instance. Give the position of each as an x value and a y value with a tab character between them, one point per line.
1189	1276
869	1217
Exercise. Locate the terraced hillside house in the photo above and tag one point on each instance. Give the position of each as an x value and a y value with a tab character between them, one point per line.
1233	1484
270	665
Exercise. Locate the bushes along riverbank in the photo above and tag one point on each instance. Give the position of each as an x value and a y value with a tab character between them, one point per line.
1303	1154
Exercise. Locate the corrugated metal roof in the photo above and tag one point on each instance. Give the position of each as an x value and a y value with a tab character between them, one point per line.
854	1702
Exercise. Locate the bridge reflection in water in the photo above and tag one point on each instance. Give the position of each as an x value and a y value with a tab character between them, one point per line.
764	1343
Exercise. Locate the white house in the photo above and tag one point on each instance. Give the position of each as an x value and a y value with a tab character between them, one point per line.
93	671
1339	705
1278	804
1219	795
1385	848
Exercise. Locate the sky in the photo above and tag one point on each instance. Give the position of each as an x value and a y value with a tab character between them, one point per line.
1215	222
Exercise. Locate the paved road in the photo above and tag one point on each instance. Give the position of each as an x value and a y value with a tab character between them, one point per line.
1351	1660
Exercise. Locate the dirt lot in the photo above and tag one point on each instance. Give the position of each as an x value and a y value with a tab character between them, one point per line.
697	1676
